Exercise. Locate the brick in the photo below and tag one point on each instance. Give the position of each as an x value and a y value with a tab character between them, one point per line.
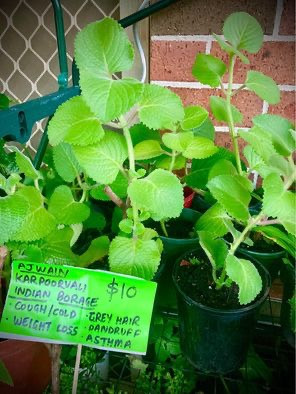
287	26
206	17
224	139
173	60
247	102
275	59
286	107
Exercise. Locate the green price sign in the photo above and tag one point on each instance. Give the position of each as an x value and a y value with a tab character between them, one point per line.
64	304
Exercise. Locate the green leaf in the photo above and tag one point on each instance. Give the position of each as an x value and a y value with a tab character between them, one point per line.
95	220
126	225
222	167
214	221
208	69
38	222
160	193
198	176
280	237
243	32
25	165
231	50
75	123
279	129
206	129
119	187
246	276
219	109
263	86
177	141
139	132
103	161
56	248
4	373
98	249
200	148
103	47
4	101
77	230
160	108
194	116
134	257
65	162
165	163
65	209
233	192
13	211
109	98
215	249
256	163
279	202
147	149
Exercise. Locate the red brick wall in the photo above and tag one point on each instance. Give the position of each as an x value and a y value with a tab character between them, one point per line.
182	30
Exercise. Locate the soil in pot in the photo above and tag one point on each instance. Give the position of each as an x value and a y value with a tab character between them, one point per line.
215	330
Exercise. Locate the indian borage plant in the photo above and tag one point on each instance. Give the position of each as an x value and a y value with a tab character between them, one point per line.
131	165
269	151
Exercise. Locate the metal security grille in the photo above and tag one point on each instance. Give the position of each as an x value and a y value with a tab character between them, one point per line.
28	50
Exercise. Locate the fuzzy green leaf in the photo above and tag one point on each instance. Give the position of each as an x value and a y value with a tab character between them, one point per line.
279	129
218	107
243	32
160	108
139	132
160	193
206	129
95	220
280	237
279	202
98	249
75	123
222	167
103	161
260	141
134	257
233	192
65	162
25	165
231	50
65	209
38	222
194	116
200	148
165	163
13	211
178	141
56	248
147	150
214	221
119	187
215	249
246	276
208	69
263	86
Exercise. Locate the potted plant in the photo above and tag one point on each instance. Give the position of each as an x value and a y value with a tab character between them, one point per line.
219	290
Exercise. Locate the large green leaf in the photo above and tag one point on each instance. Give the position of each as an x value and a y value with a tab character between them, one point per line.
98	248
233	192
139	132
260	141
194	116
25	165
160	193
65	209
109	98
215	249
231	49
246	276
56	247
75	123
119	187
263	86
198	176
208	69
147	149
159	108
177	141
65	162
279	202
103	161
13	211
243	32
214	221
134	257
222	167
38	222
165	162
206	129
280	237
219	109
200	148
279	129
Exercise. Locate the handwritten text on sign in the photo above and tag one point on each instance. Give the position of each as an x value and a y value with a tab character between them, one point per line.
75	305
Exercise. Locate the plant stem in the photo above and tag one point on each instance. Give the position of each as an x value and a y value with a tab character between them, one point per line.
55	354
237	90
162	223
199	191
129	143
76	369
113	197
172	161
230	116
267	222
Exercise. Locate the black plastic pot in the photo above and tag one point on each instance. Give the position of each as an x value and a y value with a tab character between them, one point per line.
172	249
288	279
271	261
214	340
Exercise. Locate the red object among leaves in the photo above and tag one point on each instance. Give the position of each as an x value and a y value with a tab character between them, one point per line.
188	197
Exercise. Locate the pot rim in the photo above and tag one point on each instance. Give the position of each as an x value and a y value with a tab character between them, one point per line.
244	309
